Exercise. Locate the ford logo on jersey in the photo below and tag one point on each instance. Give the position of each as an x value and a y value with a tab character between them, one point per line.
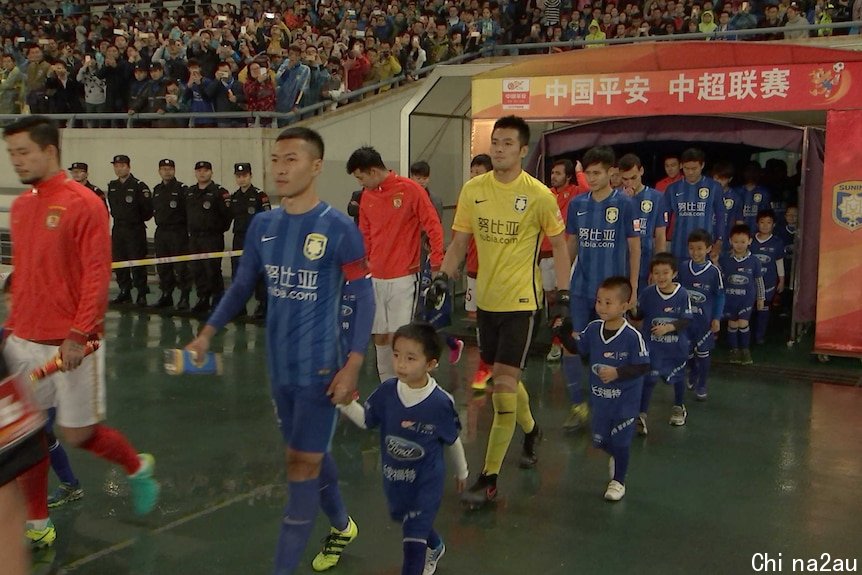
346	310
696	297
738	280
597	366
403	450
662	321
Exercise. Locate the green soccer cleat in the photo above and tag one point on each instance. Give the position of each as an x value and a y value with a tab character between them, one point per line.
41	538
334	545
578	417
145	489
65	493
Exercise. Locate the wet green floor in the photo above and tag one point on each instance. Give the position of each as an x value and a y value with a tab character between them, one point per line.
767	465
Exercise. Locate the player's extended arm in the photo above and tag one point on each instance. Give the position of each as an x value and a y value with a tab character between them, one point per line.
572	246
247	275
634	265
779	268
660	240
562	262
456	253
459	460
94	248
355	413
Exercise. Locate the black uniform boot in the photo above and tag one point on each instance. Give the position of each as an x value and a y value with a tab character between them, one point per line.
260	311
202	307
142	297
183	304
125	296
166	300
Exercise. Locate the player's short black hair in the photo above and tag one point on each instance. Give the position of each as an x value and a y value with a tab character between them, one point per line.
41	130
663	258
740	229
670	157
483	160
423	333
630	161
767	213
568	167
514	123
619	283
700	235
421	169
305	134
693	155
603	155
364	159
722	170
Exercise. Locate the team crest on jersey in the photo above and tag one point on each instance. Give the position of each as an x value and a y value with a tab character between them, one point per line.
758	197
646	206
397	200
612	215
315	246
520	204
173	204
847	205
703	193
728	203
53	218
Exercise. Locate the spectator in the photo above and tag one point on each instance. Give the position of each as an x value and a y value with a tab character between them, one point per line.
384	66
226	95
771	20
595	35
139	91
336	87
260	91
707	23
172	56
202	49
95	94
356	66
196	98
62	91
794	21
856	15
318	80
742	18
292	81
118	76
35	77
11	86
174	103
438	44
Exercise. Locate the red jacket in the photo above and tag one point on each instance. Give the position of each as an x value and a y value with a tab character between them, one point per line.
61	254
662	185
356	69
564	196
391	218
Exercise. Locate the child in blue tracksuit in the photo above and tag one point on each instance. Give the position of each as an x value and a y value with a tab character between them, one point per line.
703	282
744	291
768	248
618	358
665	311
416	419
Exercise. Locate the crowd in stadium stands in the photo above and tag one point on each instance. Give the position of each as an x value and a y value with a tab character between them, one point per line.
60	57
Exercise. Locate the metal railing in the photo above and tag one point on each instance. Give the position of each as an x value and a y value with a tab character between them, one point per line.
253	119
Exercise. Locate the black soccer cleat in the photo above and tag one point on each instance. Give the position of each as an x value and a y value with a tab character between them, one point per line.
482	492
528	456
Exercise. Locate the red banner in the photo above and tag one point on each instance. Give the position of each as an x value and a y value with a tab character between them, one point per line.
770	88
839	287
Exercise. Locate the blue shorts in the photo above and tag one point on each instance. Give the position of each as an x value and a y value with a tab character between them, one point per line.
736	308
609	432
770	294
415	509
670	368
701	337
582	311
306	417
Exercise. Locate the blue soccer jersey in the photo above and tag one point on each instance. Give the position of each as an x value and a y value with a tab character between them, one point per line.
743	282
787	233
705	288
768	251
411	445
618	399
753	201
732	210
658	308
692	207
602	229
305	260
651	213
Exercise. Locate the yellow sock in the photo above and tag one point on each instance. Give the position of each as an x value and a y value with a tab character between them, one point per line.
502	430
523	413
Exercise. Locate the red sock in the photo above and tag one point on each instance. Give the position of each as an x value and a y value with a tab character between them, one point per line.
556	341
34	486
483	366
110	444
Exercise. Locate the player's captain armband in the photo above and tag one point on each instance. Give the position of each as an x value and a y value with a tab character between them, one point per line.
179	361
20	417
356	270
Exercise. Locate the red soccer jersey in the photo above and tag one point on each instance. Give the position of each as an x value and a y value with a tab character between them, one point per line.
391	218
564	196
662	185
61	253
472	259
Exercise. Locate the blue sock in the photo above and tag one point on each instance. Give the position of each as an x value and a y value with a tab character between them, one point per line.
744	337
573	369
762	325
649	384
60	462
330	495
621	462
414	557
692	366
434	540
678	382
703	364
296	525
451	342
733	337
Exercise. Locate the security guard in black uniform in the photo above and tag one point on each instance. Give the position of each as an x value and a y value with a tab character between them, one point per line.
172	236
209	216
79	173
131	206
245	203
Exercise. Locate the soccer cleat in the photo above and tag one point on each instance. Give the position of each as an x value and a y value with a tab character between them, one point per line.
578	416
40	538
481	379
555	354
145	489
734	356
615	491
745	357
334	545
65	493
455	354
482	492
641	425
678	415
612	467
700	393
528	456
432	557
